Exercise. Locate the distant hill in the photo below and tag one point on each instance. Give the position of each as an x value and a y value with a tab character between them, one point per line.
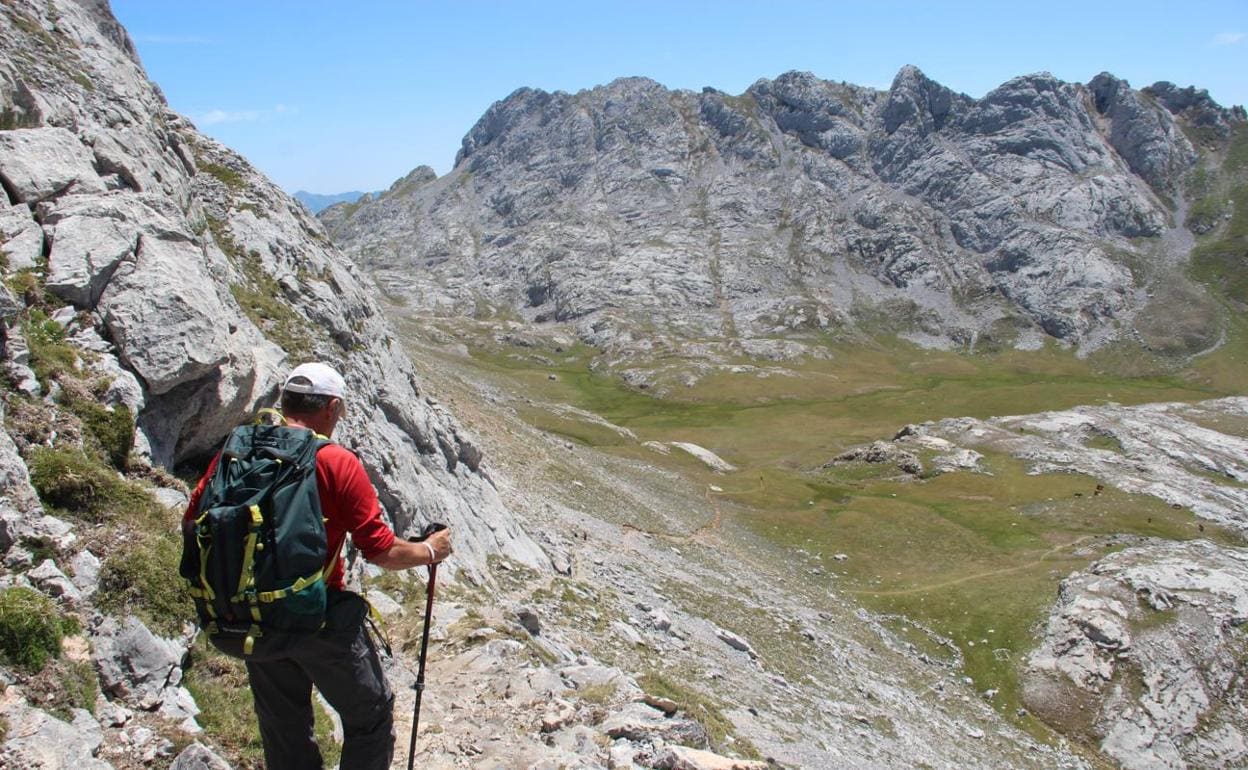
315	202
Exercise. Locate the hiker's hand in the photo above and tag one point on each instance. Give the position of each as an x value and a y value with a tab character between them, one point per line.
440	542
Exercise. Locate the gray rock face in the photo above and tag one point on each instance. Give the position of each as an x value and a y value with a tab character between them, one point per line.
38	163
198	757
1144	650
206	282
37	739
21	238
800	205
1197	106
639	722
1141	132
137	666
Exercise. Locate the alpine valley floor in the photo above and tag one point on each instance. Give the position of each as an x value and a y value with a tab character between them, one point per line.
868	594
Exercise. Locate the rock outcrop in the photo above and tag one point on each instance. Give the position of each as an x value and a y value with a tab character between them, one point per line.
1172	451
201	282
1144	651
647	217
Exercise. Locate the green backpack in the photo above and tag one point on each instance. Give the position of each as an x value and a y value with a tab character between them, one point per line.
255	554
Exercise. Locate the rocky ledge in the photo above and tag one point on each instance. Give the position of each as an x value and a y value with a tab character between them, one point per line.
1144	653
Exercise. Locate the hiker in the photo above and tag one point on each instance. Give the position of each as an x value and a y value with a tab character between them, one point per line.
341	658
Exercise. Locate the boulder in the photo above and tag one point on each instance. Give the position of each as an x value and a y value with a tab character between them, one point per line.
638	722
659	620
627	632
736	642
90	237
135	665
384	603
39	163
685	758
197	756
528	618
592	675
166	315
36	739
47	578
21	237
709	458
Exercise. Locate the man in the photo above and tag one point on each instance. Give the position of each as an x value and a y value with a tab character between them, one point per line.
341	659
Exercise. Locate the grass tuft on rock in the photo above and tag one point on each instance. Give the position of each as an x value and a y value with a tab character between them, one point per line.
698	706
141	577
112	430
83	488
31	628
223	174
51	356
65	685
262	299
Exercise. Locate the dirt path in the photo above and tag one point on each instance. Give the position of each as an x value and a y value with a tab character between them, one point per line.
702	531
976	576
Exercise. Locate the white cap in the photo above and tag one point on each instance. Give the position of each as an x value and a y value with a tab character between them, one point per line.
316	379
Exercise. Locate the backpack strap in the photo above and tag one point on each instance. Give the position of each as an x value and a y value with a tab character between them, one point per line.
269	412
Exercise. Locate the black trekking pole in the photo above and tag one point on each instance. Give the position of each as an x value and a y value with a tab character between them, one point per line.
424	644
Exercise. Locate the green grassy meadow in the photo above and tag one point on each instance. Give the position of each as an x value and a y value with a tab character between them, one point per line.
975	557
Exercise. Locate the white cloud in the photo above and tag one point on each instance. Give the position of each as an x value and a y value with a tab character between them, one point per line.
217	117
213	117
1227	38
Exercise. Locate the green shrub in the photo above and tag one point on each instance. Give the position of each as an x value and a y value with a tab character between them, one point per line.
80	685
30	628
51	356
111	429
40	548
141	577
219	685
83	488
11	119
25	284
1221	263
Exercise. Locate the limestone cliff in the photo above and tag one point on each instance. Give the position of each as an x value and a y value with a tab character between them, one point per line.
802	206
196	282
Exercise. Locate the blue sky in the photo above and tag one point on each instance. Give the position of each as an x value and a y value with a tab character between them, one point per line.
334	96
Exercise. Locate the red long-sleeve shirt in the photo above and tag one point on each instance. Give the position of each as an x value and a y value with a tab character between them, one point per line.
348	502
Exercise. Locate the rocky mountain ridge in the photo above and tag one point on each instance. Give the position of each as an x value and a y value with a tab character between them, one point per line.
648	217
195	282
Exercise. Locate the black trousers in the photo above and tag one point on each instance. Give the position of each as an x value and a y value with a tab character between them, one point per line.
341	660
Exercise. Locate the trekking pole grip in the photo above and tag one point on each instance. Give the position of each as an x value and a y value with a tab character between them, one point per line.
424	535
